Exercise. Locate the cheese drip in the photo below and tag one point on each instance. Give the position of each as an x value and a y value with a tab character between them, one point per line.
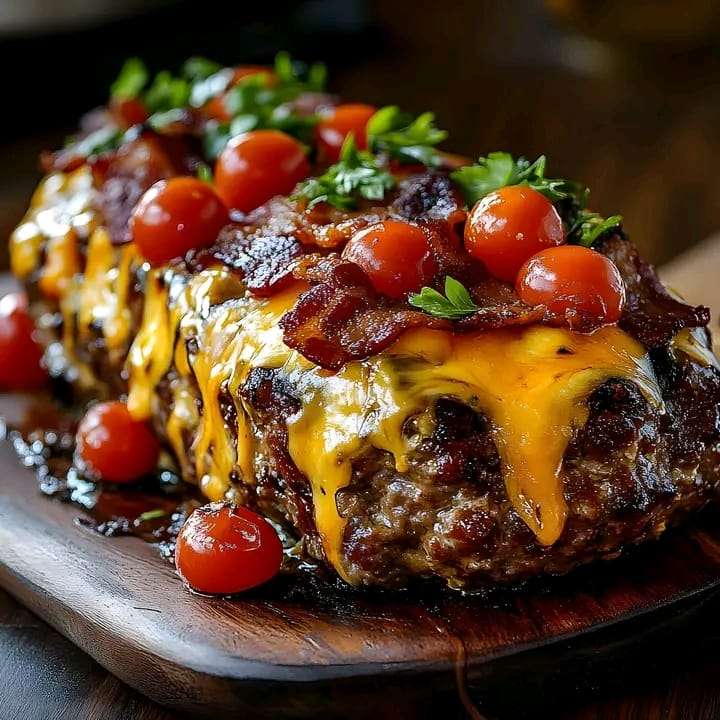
61	210
531	382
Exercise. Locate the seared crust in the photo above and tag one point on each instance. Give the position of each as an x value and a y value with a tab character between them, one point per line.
632	469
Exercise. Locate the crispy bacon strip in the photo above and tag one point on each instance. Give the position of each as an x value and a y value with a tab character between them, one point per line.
264	260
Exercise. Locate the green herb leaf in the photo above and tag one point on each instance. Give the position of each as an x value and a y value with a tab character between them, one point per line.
404	138
166	93
130	82
150	515
290	73
196	69
161	120
356	174
454	305
204	172
261	101
590	226
500	169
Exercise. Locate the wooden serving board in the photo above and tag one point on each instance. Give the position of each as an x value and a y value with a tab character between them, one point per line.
284	653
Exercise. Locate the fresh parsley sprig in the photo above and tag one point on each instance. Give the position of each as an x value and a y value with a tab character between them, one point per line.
454	305
500	169
356	175
590	226
264	101
403	138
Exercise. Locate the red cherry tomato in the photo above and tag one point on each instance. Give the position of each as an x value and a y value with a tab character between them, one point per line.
510	225
129	112
577	285
20	355
397	257
340	122
223	549
113	446
175	216
258	165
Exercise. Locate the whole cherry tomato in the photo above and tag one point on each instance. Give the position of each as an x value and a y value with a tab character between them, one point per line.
224	549
20	354
113	446
339	122
175	216
578	286
258	165
396	256
510	225
129	112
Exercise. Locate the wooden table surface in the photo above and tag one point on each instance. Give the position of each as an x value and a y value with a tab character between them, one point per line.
45	677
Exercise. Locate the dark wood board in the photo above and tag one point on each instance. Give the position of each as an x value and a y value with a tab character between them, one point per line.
348	656
274	654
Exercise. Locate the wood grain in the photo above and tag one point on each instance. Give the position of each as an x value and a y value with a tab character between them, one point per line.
347	654
126	608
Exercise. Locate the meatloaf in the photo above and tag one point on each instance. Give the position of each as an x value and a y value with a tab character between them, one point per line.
395	443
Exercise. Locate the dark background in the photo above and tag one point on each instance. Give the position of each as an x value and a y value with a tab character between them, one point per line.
622	95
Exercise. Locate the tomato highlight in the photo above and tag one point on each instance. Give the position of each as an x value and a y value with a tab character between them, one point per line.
510	225
578	286
258	165
113	446
175	216
224	549
396	256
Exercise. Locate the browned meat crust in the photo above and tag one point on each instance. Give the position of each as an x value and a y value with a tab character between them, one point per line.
630	472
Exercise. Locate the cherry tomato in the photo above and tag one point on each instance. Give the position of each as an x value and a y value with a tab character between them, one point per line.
258	165
396	256
340	122
224	549
577	285
20	355
113	446
175	216
215	108
129	112
510	225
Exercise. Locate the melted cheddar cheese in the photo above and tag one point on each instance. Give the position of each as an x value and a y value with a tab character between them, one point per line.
531	383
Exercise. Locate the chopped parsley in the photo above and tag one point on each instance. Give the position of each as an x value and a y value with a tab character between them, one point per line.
262	101
590	226
132	79
149	515
356	175
454	305
204	172
196	69
166	92
403	138
500	169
